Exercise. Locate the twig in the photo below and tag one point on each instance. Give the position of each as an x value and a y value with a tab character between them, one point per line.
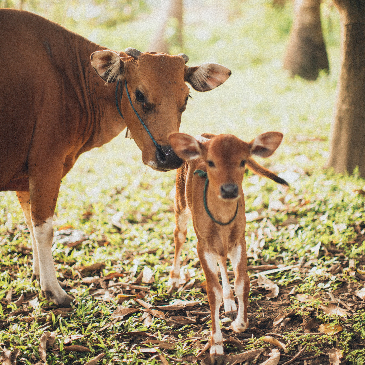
295	357
276	270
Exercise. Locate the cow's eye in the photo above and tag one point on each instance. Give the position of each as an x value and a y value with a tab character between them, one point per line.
140	97
211	164
242	164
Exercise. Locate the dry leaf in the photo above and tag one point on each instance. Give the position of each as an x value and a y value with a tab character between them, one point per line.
274	358
177	305
161	344
68	340
20	301
269	285
123	297
273	341
47	340
121	312
361	293
281	317
244	356
330	329
9	296
98	266
113	275
96	359
147	319
334	310
148	275
335	356
305	298
90	279
9	357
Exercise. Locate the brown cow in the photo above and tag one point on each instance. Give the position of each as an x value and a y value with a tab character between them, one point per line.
54	106
209	184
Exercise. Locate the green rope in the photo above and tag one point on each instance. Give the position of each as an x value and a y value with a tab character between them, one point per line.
203	174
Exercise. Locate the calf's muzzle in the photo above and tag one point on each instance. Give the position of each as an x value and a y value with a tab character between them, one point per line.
167	159
229	191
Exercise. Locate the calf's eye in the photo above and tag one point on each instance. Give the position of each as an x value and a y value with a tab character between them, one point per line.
242	164
211	164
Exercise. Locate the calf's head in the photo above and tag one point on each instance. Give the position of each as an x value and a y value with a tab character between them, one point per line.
156	83
224	157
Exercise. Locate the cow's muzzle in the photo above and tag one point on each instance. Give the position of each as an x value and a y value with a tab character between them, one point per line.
167	159
229	191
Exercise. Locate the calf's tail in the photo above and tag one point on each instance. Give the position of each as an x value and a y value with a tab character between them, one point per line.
260	170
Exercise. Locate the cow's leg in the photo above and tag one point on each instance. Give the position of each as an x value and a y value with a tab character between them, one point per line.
241	286
24	200
180	232
44	183
228	298
209	264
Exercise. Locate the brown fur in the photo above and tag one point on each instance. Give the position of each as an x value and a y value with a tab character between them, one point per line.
221	157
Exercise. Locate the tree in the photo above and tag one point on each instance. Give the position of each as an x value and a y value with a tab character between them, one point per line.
306	52
173	22
347	150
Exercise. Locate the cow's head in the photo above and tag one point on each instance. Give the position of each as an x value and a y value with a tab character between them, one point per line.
157	87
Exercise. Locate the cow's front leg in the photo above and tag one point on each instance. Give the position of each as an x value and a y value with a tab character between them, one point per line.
209	263
43	198
241	286
24	200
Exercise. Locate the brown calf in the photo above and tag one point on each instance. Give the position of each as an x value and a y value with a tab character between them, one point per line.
54	106
218	212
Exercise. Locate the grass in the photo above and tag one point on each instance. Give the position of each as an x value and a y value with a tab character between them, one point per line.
124	214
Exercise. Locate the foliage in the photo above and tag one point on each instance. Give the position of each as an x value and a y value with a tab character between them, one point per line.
122	214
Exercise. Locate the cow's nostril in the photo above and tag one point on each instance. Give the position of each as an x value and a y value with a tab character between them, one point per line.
229	191
160	155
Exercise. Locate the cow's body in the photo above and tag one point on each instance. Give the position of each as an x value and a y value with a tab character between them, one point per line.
54	106
209	184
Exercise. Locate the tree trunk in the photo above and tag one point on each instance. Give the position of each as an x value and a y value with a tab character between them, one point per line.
348	130
174	21
306	52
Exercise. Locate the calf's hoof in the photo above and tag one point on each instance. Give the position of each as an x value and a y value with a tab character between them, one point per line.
62	302
238	326
217	359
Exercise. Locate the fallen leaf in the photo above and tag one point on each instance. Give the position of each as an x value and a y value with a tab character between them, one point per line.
20	301
113	275
281	317
95	360
335	356
161	344
147	319
68	340
177	305
123	297
305	298
334	310
121	312
330	329
9	296
274	358
269	285
244	356
361	293
273	341
91	279
9	357
98	266
71	237
181	320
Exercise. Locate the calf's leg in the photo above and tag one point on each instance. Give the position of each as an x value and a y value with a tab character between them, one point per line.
24	200
209	264
241	286
228	298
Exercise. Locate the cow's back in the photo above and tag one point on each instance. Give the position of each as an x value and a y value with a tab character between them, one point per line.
33	52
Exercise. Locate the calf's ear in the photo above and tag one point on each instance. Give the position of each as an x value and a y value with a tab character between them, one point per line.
266	144
185	146
206	76
107	65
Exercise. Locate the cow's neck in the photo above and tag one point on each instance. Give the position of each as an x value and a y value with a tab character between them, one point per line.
100	121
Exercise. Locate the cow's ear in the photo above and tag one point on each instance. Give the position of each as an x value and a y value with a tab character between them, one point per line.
266	144
185	146
206	76
107	64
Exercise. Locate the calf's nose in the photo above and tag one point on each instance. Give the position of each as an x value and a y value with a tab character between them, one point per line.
229	191
167	159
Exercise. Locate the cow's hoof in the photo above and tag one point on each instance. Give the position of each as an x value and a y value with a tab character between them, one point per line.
217	359
63	302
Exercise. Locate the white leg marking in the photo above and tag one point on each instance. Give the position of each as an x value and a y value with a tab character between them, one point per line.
228	299
239	324
49	283
217	338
